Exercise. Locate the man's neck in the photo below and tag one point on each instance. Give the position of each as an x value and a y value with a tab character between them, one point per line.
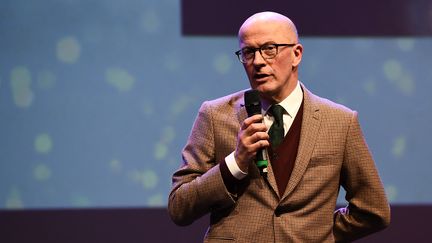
266	102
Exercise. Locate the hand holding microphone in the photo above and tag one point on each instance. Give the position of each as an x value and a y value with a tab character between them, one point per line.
253	138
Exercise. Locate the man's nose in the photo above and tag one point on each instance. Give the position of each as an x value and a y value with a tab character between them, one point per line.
258	59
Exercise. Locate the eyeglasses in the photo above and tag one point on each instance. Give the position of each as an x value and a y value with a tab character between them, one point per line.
267	51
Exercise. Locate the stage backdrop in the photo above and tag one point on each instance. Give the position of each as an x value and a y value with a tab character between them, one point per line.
98	97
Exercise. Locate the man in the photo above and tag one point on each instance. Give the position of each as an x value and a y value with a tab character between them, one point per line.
322	149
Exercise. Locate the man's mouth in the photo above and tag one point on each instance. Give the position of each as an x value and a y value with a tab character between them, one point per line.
260	76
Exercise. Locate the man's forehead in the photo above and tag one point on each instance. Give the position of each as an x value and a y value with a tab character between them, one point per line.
263	24
260	35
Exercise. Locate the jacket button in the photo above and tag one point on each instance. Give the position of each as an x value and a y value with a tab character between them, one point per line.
278	211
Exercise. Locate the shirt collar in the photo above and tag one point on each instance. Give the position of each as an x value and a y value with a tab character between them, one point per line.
292	103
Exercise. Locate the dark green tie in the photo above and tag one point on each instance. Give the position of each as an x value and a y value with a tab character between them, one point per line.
276	131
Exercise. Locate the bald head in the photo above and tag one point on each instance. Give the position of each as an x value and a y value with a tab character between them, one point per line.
276	76
273	20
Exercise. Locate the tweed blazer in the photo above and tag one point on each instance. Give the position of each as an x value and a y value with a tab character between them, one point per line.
332	153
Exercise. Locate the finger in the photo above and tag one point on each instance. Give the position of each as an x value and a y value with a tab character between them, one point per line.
251	120
258	136
261	144
256	128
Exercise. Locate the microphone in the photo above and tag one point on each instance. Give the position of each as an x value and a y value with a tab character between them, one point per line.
253	107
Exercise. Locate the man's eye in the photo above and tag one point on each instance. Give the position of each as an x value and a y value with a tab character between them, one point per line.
268	48
248	51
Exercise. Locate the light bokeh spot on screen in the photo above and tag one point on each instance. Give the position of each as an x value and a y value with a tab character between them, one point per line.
42	172
223	63
147	178
13	201
399	146
46	79
81	201
406	84
172	61
162	147
21	86
341	100
156	200
160	151
370	87
180	105
392	69
68	49
147	108
391	192
406	44
150	21
168	134
399	77
115	165
119	78
43	143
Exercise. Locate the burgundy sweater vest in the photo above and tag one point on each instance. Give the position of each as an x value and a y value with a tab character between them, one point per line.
283	158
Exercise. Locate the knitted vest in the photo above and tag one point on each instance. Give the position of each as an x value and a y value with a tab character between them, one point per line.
283	158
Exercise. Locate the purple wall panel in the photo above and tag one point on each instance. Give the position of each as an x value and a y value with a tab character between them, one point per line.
409	224
313	18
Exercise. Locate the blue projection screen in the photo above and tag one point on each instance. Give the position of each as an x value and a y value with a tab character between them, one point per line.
97	99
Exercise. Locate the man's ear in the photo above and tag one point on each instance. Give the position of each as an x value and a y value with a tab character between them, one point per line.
297	55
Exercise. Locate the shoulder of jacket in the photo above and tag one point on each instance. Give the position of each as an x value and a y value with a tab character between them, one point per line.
232	100
327	106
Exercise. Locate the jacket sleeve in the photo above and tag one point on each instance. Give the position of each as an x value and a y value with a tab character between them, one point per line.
198	187
368	210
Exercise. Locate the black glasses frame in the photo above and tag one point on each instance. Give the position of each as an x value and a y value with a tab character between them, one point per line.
253	50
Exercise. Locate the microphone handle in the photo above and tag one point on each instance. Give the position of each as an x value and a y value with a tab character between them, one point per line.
253	107
261	161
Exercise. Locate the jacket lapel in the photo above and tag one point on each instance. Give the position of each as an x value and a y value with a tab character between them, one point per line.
309	132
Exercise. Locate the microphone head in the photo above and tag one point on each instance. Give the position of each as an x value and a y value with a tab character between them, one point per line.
252	102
